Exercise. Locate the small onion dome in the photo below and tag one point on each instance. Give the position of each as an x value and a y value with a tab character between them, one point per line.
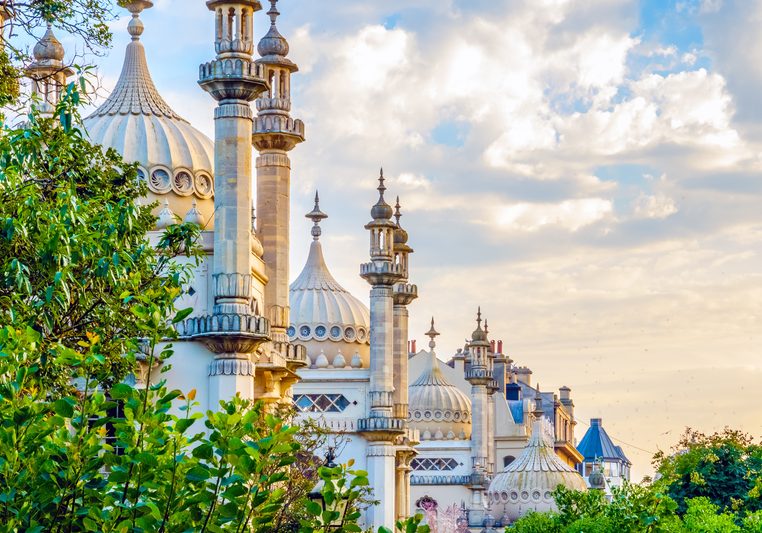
194	216
49	48
436	406
381	211
166	217
528	482
273	43
321	361
339	361
356	361
479	336
400	234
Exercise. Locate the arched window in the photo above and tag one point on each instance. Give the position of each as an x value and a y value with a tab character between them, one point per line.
508	459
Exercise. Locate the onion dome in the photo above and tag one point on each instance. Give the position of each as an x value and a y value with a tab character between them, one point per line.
381	211
49	48
400	235
438	407
339	361
175	159
321	361
166	217
528	482
194	216
479	336
324	315
273	43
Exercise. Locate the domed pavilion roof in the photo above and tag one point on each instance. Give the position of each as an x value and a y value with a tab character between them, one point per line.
176	159
528	482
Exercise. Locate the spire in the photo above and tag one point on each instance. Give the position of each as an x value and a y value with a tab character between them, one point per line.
135	92
316	215
397	212
273	12
432	334
538	411
479	335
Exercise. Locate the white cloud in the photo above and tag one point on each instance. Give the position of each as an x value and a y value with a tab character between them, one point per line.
655	206
569	214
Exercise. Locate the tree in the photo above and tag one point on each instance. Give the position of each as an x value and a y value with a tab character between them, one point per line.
725	467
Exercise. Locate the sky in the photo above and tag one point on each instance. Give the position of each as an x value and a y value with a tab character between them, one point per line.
586	171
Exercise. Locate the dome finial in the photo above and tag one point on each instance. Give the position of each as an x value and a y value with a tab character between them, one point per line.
273	12
135	27
397	212
479	317
486	327
432	334
316	215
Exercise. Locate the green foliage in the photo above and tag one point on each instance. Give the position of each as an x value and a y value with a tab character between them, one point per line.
725	468
537	523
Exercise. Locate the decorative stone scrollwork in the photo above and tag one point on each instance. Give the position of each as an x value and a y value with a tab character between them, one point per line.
160	181
204	185
182	183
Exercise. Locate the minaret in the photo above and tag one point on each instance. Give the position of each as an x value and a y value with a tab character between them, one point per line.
479	375
48	72
492	388
403	295
233	331
275	133
381	428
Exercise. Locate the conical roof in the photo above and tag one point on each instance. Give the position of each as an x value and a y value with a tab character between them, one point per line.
596	444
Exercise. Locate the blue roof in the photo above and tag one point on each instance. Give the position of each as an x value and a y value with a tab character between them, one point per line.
517	410
596	444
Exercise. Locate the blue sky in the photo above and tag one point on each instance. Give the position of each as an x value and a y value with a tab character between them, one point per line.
588	171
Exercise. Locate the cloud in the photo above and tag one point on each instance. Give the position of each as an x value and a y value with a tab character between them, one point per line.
570	214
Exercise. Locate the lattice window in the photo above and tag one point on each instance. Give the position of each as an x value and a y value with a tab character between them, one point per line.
438	464
320	403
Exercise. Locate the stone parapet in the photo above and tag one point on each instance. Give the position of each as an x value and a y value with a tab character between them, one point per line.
481	376
232	333
293	355
233	79
388	425
277	132
280	105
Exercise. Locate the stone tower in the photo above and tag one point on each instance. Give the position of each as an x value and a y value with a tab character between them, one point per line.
479	371
233	331
403	295
275	134
382	427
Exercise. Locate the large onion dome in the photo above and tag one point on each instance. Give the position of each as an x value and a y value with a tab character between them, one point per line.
324	315
438	409
528	482
175	159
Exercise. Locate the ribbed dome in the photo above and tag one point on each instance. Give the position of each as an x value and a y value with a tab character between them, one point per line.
273	44
324	311
437	405
528	482
176	159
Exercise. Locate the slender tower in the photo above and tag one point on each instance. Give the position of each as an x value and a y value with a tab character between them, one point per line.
382	428
275	134
403	295
48	72
479	375
233	331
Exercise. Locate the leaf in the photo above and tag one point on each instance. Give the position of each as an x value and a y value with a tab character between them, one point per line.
182	315
63	408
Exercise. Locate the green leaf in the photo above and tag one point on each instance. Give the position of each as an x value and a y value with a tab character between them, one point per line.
64	407
182	315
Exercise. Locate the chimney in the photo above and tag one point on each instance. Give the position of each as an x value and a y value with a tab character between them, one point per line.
413	341
500	347
492	346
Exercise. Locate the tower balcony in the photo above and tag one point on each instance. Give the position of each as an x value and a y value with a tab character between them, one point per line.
404	293
480	376
233	79
227	333
293	355
279	132
381	428
381	272
265	105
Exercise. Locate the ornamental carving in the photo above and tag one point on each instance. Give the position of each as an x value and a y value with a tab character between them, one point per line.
181	181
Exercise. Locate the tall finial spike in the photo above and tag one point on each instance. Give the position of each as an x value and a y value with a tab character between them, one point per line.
432	334
479	316
316	215
381	186
397	212
273	13
486	326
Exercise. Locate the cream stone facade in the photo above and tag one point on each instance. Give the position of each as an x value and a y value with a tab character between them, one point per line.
467	432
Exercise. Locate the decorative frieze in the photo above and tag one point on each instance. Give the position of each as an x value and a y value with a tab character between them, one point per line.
231	367
236	110
273	160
